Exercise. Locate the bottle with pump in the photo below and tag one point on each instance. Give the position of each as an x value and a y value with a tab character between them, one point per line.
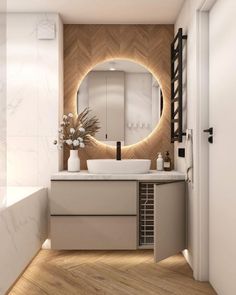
167	162
160	162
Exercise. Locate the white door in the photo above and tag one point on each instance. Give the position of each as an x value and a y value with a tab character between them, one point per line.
107	103
222	105
97	88
169	219
115	106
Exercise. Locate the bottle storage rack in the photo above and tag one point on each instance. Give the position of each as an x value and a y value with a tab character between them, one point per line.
146	215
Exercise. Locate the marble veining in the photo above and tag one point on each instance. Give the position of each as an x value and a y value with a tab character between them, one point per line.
23	229
3	104
33	99
152	175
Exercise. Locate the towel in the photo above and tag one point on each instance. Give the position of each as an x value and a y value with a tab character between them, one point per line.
189	155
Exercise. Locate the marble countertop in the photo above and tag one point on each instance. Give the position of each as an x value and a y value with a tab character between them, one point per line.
152	175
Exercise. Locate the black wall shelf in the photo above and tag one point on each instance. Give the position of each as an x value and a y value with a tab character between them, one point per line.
177	87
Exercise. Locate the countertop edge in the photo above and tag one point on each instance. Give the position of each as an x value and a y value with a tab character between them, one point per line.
84	175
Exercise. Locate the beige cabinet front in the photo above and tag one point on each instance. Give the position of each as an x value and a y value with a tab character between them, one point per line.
170	219
102	215
94	232
93	215
93	198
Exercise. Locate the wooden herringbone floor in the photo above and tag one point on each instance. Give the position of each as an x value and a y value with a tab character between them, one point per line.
107	272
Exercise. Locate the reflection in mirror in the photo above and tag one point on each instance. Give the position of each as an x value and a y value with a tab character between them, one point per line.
125	97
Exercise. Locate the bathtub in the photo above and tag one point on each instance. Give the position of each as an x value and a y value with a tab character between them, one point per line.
23	229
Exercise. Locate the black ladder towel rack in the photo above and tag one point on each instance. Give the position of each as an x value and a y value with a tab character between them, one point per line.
177	87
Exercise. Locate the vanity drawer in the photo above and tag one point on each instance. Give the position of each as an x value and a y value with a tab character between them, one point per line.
94	232
93	198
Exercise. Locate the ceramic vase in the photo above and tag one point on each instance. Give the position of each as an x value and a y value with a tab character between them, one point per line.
73	161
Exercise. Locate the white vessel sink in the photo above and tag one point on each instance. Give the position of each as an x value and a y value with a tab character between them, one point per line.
110	166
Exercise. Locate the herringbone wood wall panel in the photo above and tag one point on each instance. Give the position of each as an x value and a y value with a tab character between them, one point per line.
149	45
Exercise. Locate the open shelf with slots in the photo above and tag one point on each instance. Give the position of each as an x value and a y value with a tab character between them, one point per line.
146	215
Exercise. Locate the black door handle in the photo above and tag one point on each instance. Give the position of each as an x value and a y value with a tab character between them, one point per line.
210	139
209	130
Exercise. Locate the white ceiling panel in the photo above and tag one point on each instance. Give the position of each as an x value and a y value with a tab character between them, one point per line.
104	11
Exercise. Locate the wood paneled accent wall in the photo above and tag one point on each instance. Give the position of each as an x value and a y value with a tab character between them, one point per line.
149	45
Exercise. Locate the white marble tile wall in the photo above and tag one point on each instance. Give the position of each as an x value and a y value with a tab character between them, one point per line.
23	229
2	103
34	99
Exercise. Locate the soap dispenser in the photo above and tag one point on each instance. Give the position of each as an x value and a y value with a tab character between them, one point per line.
167	162
160	162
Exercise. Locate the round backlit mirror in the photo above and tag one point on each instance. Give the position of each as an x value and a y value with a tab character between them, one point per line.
126	99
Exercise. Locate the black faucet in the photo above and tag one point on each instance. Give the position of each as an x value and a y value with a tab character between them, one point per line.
118	150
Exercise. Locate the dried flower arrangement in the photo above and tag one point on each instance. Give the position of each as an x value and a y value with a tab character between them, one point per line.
76	132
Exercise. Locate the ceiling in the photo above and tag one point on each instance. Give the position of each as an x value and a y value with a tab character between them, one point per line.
104	11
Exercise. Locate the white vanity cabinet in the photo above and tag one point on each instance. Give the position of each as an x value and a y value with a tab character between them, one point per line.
91	212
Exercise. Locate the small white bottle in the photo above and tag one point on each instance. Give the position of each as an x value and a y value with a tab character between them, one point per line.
160	162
